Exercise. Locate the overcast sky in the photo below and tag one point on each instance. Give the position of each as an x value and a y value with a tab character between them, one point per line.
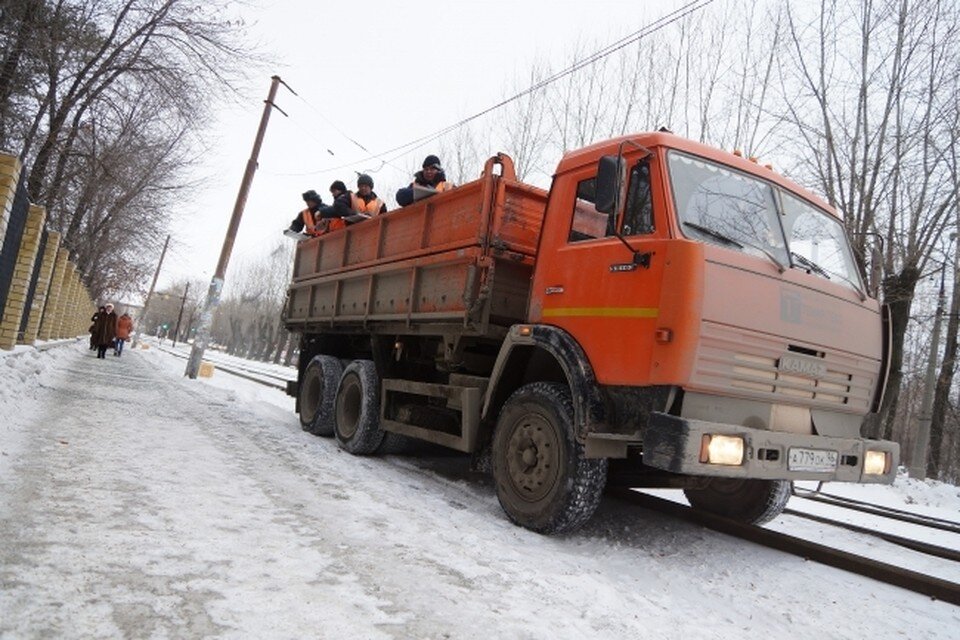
383	73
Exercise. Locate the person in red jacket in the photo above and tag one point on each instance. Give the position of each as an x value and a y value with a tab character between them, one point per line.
124	329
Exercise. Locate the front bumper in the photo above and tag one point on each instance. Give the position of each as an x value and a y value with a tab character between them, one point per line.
673	444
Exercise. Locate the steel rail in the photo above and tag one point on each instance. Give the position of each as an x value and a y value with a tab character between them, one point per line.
930	586
884	512
915	545
226	369
216	360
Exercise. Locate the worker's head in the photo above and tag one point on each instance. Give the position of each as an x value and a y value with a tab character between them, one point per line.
311	198
364	184
431	167
337	188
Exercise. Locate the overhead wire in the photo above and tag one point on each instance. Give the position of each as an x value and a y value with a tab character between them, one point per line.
636	36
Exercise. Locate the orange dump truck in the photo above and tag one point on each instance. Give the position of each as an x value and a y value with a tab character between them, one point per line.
668	314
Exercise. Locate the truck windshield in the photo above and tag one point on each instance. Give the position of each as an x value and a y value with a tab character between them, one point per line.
722	206
719	205
817	242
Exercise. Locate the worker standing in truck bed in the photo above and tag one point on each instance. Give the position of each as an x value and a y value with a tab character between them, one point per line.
365	200
431	177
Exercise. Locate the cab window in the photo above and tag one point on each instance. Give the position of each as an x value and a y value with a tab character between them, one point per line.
588	223
638	216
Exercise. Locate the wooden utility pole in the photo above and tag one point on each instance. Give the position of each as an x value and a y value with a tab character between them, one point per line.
183	302
146	303
216	283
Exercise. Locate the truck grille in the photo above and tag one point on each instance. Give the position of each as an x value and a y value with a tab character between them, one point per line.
743	363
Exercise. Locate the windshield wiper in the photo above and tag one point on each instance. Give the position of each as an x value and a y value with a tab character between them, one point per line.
813	266
714	234
740	244
810	264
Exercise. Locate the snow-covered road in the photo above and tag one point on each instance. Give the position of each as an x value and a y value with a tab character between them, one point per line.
135	503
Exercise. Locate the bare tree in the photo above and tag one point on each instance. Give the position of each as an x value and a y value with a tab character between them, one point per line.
871	117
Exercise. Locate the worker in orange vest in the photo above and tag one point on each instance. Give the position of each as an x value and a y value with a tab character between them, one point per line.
431	177
318	219
365	201
306	220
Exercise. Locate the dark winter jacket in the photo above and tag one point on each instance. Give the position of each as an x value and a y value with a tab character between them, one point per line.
297	224
105	329
405	195
342	207
418	178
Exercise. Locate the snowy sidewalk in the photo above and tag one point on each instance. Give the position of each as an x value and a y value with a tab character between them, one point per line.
134	503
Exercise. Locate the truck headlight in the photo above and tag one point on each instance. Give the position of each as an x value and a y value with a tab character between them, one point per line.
876	463
717	449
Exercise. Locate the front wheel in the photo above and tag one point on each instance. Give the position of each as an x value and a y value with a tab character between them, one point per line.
544	480
749	501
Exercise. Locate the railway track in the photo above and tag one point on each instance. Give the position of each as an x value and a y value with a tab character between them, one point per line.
277	382
931	586
878	510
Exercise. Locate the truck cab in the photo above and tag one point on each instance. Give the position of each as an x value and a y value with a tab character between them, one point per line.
720	303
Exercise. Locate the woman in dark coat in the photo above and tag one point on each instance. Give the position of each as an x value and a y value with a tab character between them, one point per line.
93	323
105	330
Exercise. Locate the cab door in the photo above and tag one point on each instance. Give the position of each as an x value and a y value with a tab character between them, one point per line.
590	283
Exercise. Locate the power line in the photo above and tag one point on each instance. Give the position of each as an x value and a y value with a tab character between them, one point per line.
636	36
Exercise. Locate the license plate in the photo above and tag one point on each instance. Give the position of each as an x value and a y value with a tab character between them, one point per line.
812	460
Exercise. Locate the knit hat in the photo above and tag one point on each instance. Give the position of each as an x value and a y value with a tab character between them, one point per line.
432	161
311	195
364	179
338	185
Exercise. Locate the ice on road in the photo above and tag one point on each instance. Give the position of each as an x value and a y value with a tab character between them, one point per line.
135	503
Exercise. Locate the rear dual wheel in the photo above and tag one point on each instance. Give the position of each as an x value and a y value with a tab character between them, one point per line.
317	393
357	409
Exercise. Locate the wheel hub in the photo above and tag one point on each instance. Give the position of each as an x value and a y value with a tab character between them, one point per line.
533	457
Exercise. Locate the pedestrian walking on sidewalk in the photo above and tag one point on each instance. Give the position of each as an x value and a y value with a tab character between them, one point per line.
105	330
124	329
93	323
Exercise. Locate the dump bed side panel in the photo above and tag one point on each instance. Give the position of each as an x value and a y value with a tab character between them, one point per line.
465	256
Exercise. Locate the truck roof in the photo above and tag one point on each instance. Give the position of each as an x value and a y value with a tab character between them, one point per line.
592	153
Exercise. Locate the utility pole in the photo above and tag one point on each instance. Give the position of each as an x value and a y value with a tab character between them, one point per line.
183	303
918	461
216	283
146	303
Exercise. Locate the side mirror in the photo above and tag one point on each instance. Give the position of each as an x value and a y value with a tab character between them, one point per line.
611	176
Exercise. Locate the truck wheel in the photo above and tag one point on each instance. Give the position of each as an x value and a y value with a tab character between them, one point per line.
750	501
544	481
317	393
357	412
395	444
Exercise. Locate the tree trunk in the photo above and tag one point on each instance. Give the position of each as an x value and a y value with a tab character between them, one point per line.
936	456
291	347
898	292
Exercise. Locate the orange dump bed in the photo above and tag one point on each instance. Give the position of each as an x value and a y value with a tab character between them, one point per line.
464	256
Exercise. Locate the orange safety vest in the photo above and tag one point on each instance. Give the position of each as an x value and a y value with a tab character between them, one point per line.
371	208
312	228
443	186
